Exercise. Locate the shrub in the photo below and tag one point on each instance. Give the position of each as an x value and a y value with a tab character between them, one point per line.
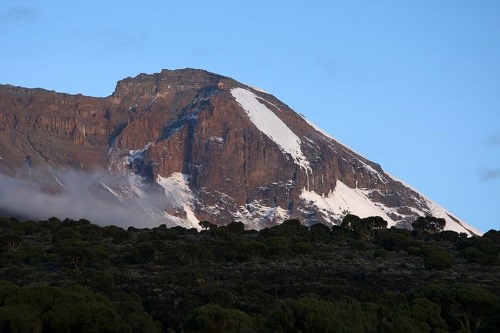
480	250
394	239
212	318
436	258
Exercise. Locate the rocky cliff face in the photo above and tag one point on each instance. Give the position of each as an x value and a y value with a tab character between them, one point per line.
220	151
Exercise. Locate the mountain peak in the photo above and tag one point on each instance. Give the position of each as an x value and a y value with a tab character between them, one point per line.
210	148
166	81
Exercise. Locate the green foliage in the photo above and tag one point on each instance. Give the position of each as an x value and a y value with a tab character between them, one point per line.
288	278
428	225
289	228
206	225
349	220
494	236
51	309
313	315
339	233
249	249
447	236
278	245
319	232
117	234
462	305
365	228
394	239
416	315
9	242
481	250
236	227
380	254
436	258
215	319
491	323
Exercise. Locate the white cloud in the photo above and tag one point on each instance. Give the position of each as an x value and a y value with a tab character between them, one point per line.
81	197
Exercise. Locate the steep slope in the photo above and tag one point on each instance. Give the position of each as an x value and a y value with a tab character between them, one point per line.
210	147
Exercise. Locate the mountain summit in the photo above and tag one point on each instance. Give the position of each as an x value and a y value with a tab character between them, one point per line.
209	147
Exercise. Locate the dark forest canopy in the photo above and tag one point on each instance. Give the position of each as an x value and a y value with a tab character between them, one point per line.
358	277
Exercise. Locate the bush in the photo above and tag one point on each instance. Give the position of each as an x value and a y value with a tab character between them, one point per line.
214	319
279	245
394	239
436	258
319	232
380	254
480	250
75	309
428	225
314	315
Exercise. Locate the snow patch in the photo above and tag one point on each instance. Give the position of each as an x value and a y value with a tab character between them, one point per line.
179	195
345	200
257	215
367	167
438	211
113	192
259	89
216	139
432	208
138	154
122	161
271	125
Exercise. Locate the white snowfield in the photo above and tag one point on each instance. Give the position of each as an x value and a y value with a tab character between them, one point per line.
271	125
438	211
179	196
358	202
255	215
343	200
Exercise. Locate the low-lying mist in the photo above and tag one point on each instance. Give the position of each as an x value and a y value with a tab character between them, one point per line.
97	196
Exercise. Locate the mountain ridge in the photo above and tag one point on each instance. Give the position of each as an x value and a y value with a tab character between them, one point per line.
242	153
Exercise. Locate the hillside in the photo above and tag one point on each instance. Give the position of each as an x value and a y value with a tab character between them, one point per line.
357	278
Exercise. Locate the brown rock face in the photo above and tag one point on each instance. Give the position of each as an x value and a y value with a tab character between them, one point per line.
189	122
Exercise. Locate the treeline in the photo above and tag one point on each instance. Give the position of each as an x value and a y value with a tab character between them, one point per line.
74	276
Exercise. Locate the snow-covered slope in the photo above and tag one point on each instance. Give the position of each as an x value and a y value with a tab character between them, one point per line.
341	199
188	145
345	200
181	204
269	124
179	198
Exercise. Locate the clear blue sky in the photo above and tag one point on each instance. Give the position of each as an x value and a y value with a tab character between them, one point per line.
411	85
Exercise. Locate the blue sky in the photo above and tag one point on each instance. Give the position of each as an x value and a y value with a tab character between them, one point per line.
411	85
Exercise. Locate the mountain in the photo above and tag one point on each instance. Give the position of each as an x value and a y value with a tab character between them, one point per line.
187	145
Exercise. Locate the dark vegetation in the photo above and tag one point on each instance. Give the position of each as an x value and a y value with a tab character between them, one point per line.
73	276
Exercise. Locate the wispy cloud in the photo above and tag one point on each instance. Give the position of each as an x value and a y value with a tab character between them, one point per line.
82	196
113	39
489	174
17	13
491	140
328	66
